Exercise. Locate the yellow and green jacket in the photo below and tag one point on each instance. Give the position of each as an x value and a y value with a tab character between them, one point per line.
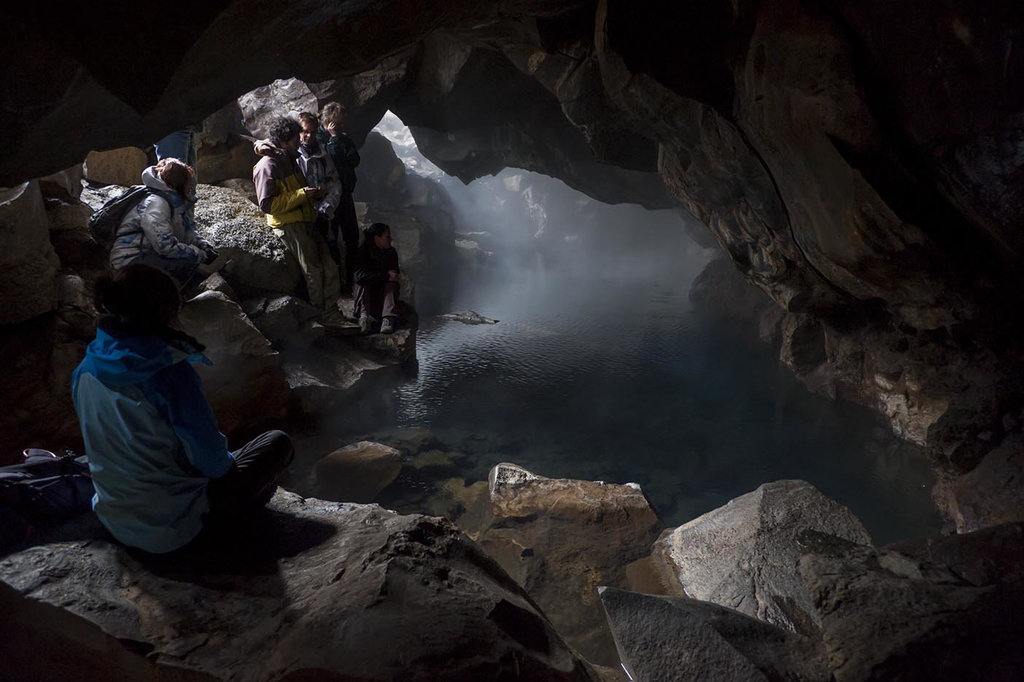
279	185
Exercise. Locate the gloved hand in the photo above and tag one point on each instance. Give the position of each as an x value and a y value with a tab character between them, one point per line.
211	255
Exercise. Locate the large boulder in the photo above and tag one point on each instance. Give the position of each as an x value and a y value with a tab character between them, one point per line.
308	590
284	97
940	609
246	384
28	263
744	555
327	373
259	260
121	166
357	472
562	538
664	639
223	152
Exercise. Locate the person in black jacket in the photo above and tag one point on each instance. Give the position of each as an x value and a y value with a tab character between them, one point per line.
376	281
343	231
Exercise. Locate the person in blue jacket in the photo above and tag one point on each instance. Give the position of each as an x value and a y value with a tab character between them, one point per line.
160	466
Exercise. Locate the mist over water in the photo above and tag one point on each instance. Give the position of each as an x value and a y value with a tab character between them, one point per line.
600	369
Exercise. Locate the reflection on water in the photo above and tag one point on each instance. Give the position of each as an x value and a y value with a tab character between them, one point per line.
608	374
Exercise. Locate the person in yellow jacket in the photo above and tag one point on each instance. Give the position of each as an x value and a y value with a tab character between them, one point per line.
289	205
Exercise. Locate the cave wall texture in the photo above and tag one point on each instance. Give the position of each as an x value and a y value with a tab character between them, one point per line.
859	162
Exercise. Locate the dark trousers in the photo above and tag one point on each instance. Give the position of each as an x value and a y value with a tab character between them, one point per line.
343	235
252	480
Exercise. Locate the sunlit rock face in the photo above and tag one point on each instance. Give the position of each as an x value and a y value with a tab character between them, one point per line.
858	161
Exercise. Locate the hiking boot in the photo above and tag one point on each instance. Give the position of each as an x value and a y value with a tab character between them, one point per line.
365	324
387	326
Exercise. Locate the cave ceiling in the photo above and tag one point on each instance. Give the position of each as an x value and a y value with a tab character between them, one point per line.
840	152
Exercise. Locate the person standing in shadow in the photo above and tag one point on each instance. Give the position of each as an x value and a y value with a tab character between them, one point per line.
161	468
343	233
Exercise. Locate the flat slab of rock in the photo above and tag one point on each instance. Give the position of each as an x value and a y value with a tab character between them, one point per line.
664	639
560	539
308	590
744	554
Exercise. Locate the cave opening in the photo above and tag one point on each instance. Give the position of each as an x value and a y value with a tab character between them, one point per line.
599	367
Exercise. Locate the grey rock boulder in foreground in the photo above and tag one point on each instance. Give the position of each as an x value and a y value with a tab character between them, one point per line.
664	639
744	554
311	590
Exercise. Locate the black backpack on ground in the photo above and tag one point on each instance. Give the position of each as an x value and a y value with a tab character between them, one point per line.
42	489
105	221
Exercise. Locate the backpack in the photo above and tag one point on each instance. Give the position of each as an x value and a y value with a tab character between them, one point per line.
105	221
42	489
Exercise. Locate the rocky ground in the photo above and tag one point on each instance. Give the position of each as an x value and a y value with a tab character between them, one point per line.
542	579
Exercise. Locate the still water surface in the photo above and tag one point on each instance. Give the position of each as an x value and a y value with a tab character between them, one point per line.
605	372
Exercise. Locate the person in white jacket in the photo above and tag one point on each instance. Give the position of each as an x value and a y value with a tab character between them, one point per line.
158	231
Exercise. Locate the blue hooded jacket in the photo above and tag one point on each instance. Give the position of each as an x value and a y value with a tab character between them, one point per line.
151	438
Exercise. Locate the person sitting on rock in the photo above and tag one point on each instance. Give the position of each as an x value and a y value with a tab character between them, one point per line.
161	468
289	203
159	230
376	281
344	230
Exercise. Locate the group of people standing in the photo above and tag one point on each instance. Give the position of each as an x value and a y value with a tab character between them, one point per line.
304	184
163	474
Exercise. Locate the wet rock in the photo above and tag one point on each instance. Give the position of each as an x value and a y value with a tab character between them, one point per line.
744	555
327	373
663	639
308	590
560	539
432	459
942	609
121	166
259	260
246	384
357	472
410	440
28	263
468	317
399	346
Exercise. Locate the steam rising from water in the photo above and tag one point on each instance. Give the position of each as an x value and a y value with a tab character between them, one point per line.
599	369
